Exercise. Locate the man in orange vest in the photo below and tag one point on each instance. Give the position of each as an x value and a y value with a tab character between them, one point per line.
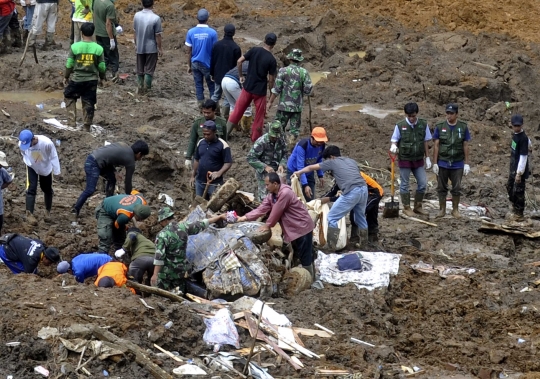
112	274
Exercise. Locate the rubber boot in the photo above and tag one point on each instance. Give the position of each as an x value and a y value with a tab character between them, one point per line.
48	203
230	127
442	207
147	83
16	40
455	207
354	234
49	41
71	106
225	112
332	237
406	201
373	238
517	215
140	84
245	123
363	239
30	203
418	198
88	118
311	271
6	41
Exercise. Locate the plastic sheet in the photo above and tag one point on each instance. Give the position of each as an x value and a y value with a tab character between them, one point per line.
221	330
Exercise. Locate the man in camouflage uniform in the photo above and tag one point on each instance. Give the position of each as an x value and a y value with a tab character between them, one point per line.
209	108
291	84
170	264
268	154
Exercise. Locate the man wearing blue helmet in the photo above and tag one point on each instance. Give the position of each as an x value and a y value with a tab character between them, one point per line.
199	42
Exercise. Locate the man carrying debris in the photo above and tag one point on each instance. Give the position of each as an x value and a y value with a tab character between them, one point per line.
209	109
102	162
519	168
375	193
268	154
113	214
105	20
212	160
261	75
225	54
199	42
353	196
86	62
292	83
112	274
23	255
84	266
282	205
41	159
170	261
451	157
141	253
308	151
45	11
147	37
5	181
411	136
7	8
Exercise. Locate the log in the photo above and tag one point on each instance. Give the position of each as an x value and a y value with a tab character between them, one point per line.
508	229
223	194
155	291
140	355
200	300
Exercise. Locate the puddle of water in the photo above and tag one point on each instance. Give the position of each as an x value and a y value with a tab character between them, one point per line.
31	97
361	54
363	108
317	76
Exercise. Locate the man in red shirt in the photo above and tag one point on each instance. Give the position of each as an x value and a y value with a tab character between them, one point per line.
6	11
284	207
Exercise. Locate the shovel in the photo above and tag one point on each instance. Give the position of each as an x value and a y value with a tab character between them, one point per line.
391	209
208	181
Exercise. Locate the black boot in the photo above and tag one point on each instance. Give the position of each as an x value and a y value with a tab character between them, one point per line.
48	202
30	203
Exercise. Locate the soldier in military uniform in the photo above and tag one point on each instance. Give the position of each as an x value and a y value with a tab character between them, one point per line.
209	108
451	157
292	83
170	264
268	154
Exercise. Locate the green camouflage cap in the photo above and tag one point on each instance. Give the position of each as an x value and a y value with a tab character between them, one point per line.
165	213
296	55
142	211
275	129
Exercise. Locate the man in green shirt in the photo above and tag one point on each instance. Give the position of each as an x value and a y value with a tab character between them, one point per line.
209	108
140	252
105	20
85	61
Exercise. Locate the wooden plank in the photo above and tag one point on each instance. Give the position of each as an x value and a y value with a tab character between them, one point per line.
312	332
200	300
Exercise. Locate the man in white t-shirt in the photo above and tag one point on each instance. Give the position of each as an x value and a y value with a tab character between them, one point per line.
39	155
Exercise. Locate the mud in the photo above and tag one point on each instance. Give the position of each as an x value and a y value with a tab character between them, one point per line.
478	54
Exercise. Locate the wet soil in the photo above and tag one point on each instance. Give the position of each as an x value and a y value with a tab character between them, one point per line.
479	55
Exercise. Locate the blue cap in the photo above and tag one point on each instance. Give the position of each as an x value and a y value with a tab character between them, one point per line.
25	139
210	125
203	15
517	120
452	108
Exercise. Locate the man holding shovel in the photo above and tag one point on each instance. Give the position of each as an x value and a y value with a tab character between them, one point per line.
451	157
411	136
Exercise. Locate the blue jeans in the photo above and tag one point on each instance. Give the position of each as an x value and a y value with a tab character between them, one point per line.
29	10
354	200
200	186
92	171
420	175
218	94
200	73
4	22
15	267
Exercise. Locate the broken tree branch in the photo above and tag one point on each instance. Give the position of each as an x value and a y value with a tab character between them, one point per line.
154	290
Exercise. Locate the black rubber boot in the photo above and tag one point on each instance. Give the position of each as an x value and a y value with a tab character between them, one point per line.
48	201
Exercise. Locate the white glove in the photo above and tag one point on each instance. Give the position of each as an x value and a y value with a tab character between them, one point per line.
466	169
119	253
428	163
113	44
188	164
436	169
119	30
393	148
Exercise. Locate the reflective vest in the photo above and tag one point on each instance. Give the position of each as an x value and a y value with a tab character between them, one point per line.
411	142
451	141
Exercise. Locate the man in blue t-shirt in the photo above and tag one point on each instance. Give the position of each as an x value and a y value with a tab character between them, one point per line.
211	161
199	43
451	157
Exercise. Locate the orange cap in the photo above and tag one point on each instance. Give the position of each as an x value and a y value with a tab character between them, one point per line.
319	134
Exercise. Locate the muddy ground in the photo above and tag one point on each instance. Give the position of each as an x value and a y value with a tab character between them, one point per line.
478	55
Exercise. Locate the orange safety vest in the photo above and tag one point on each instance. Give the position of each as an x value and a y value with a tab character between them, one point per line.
117	271
372	183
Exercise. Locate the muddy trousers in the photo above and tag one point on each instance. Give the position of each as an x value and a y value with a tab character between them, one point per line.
516	193
455	176
372	213
108	234
303	248
244	101
93	172
87	91
140	266
112	58
45	183
293	118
